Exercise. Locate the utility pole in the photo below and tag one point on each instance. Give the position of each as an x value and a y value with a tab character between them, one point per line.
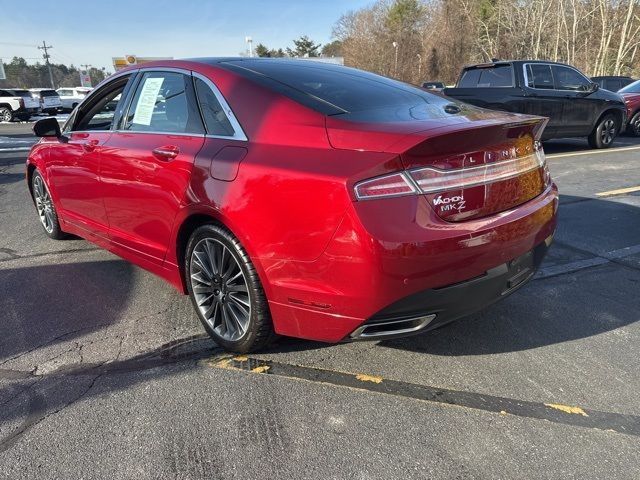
46	56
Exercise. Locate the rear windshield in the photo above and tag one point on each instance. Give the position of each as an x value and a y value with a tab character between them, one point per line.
48	93
335	90
631	88
494	76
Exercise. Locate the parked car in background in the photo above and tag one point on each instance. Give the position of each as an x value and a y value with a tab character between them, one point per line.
433	86
404	201
612	83
48	98
631	96
575	106
71	97
17	104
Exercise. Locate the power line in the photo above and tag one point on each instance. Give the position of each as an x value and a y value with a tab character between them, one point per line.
46	56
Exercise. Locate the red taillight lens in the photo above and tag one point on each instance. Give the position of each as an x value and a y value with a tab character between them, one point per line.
394	185
21	102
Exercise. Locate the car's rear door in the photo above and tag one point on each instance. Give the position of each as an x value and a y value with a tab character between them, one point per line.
541	97
147	163
579	109
74	162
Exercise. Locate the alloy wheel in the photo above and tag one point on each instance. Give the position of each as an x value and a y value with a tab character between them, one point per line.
5	115
44	204
636	125
608	132
220	289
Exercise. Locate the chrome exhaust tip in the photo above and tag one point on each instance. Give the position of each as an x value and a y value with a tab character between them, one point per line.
391	328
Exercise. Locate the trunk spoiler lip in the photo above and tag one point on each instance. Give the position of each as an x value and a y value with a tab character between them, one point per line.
400	141
538	124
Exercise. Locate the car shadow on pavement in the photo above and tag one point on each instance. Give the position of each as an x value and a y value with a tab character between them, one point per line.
46	304
6	178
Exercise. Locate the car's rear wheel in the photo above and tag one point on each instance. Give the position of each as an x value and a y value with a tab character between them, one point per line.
634	125
6	115
45	207
226	291
605	132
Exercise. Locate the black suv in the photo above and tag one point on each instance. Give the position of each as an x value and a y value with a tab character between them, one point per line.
575	106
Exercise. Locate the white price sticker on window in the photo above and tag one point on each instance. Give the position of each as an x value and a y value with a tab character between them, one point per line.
147	101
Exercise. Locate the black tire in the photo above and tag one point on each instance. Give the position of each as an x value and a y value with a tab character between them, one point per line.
258	332
634	125
6	114
605	132
45	207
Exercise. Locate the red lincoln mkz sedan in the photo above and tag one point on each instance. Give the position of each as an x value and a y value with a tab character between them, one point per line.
299	198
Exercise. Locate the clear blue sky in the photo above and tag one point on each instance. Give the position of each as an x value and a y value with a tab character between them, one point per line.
93	32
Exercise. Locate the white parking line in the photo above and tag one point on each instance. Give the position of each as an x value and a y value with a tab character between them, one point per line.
593	152
588	262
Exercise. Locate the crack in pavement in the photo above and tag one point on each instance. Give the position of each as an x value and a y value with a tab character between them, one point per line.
167	354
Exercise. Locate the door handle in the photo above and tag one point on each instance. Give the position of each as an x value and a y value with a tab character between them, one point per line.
90	145
166	153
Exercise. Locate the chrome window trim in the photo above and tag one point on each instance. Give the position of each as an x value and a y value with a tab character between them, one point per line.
551	65
238	132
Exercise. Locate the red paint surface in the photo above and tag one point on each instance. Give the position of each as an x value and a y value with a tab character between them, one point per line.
327	261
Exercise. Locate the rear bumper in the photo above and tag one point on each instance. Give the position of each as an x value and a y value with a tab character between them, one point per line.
396	258
432	308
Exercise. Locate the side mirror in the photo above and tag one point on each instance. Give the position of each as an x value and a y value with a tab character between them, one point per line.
594	87
47	127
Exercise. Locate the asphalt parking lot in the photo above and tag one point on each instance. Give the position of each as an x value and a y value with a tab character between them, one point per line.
105	371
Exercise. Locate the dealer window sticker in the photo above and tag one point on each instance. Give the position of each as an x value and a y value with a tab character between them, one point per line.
147	101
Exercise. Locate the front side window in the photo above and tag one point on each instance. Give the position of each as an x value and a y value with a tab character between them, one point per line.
569	79
539	76
99	113
215	118
164	102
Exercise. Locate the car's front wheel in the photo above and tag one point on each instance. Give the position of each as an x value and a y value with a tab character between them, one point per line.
605	132
45	207
6	115
226	291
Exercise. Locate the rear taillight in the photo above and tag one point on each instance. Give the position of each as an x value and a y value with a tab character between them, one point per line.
430	180
21	102
394	185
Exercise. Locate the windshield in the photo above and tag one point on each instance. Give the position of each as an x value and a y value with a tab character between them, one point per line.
631	88
21	93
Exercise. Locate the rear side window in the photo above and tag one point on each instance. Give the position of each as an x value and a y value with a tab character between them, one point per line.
497	76
215	119
164	102
539	76
569	79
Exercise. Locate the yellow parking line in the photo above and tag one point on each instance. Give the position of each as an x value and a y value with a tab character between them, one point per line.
593	152
619	191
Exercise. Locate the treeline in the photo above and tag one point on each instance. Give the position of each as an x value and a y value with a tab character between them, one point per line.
417	40
22	75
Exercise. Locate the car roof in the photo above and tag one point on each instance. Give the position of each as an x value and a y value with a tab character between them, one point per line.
505	62
40	89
